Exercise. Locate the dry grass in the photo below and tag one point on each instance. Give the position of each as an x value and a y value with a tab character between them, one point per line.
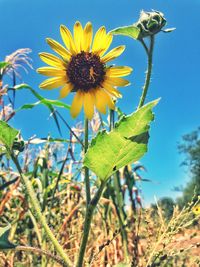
159	242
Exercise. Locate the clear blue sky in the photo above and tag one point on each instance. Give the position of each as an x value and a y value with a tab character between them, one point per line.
175	77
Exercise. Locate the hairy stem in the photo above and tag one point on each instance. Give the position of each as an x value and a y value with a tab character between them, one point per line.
41	218
149	70
87	224
112	120
121	212
119	201
87	178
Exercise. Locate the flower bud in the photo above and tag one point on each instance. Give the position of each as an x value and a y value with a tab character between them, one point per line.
150	23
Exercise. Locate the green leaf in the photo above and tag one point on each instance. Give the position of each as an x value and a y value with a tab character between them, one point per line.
29	106
131	31
137	123
26	86
37	141
4	242
47	102
127	143
56	103
7	134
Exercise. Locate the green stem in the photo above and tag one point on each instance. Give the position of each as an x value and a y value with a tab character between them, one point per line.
119	198
145	46
87	224
112	120
87	178
41	218
149	70
119	205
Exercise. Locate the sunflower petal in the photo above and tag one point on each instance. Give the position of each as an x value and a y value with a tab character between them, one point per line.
103	99
49	71
52	83
98	40
115	81
110	89
77	104
88	103
100	100
109	101
115	52
52	60
87	37
68	39
118	71
105	44
78	35
66	90
58	48
111	104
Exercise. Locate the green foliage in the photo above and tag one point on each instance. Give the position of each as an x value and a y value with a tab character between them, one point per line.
190	147
7	134
44	101
4	242
127	143
130	31
47	102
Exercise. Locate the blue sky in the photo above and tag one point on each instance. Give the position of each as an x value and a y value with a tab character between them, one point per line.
175	72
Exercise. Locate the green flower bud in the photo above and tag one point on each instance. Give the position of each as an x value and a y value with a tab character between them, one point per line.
150	23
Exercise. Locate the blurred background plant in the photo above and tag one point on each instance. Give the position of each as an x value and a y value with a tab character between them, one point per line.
11	67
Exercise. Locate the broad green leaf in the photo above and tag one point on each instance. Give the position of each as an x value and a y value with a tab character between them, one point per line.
138	122
127	143
131	31
4	242
7	134
111	151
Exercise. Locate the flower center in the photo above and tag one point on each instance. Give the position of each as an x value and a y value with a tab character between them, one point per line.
85	71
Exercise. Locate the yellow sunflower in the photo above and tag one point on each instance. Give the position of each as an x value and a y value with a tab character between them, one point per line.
81	68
